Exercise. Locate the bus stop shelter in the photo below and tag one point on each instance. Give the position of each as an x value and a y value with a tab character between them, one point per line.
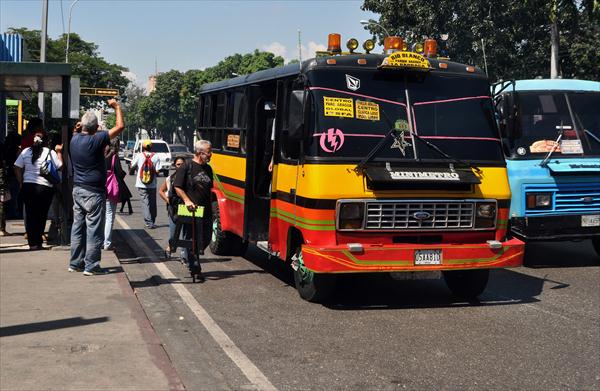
20	80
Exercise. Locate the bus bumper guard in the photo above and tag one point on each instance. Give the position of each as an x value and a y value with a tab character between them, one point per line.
401	257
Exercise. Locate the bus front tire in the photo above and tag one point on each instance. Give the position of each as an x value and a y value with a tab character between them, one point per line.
466	284
311	286
224	242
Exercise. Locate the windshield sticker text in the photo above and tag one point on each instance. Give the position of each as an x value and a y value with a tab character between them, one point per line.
233	140
544	146
332	140
367	110
338	107
425	175
571	146
400	127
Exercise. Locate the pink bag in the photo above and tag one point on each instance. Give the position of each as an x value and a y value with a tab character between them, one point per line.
112	186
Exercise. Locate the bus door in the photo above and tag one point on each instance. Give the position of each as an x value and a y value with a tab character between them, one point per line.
259	150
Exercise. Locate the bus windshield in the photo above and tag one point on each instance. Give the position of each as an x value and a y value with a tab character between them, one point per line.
545	115
452	112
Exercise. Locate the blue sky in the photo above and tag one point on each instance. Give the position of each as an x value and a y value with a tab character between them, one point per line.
191	34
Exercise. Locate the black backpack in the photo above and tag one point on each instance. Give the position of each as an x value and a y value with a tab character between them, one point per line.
173	197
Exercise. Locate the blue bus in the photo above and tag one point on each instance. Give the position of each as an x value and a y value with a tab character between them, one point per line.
551	139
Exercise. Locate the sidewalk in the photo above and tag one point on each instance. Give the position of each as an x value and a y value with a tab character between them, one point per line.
65	331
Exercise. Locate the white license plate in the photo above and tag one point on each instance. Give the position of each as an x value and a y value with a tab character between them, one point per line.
590	221
428	257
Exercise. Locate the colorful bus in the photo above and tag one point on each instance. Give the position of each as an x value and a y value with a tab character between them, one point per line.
551	138
381	163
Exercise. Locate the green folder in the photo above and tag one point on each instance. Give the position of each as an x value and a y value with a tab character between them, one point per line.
182	210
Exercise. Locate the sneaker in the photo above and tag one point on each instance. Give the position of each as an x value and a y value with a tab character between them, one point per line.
72	269
95	272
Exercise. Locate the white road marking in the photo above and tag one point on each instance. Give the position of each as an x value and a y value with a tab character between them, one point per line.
251	371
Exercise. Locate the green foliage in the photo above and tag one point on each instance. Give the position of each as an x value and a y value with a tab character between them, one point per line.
515	33
172	106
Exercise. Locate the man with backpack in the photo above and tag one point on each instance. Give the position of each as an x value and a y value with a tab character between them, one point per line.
148	166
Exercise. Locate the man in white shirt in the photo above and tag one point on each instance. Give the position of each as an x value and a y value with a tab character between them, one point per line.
145	182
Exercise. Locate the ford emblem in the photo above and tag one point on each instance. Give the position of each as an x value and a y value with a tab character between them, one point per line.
587	200
422	215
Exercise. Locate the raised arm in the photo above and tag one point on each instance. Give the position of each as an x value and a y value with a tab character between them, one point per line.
119	123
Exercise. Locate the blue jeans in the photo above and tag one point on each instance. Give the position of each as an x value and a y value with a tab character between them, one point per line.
148	200
87	232
111	209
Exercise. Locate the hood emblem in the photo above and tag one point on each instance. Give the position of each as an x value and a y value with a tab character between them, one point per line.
421	215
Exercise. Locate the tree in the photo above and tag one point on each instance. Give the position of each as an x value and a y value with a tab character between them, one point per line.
515	33
172	106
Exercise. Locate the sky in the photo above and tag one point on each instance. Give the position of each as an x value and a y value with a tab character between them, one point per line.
144	35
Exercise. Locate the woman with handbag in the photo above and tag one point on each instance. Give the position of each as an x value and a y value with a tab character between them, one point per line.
36	170
114	186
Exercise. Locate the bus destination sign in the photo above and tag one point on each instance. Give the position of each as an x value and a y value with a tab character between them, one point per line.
404	59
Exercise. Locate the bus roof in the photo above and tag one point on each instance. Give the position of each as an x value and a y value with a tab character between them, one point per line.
344	62
557	84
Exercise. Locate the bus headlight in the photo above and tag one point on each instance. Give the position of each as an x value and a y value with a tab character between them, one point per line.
485	215
539	200
351	215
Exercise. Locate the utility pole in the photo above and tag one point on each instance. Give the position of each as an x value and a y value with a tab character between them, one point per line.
554	41
44	37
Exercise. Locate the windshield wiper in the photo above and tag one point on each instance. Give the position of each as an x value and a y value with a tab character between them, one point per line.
444	154
554	147
361	166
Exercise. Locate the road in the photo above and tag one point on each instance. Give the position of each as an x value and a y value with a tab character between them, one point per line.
535	327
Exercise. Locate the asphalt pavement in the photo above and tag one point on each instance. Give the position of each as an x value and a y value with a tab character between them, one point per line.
535	327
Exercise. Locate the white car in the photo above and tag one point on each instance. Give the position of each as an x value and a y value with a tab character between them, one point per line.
160	148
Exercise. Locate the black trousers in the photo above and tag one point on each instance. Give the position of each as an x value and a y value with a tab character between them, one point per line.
37	200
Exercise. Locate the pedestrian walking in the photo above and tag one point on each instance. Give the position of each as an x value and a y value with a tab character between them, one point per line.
147	166
89	190
4	191
168	195
114	171
12	149
193	184
37	191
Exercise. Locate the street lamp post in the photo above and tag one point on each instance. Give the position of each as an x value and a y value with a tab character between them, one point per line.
69	31
368	22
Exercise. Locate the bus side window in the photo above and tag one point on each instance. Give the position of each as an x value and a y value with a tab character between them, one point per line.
289	149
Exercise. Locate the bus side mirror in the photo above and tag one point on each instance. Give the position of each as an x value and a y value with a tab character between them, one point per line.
296	116
510	123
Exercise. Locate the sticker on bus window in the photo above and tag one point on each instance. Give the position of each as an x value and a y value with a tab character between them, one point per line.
571	146
338	107
544	146
233	140
367	110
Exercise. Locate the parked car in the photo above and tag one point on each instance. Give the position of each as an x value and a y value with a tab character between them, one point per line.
160	148
121	150
180	150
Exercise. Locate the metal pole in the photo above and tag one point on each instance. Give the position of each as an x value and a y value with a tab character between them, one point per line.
69	31
43	51
484	58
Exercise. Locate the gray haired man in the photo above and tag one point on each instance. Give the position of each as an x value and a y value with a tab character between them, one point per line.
89	190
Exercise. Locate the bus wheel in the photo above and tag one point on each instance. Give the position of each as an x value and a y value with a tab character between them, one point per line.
596	244
466	284
223	242
313	287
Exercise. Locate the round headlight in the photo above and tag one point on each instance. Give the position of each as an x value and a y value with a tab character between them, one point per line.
487	211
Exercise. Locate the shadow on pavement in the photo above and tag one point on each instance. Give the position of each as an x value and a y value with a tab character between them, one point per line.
540	255
49	325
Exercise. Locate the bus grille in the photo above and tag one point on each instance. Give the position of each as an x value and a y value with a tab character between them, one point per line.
569	197
402	215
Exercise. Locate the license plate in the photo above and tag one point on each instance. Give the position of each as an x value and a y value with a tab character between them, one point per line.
590	221
428	257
